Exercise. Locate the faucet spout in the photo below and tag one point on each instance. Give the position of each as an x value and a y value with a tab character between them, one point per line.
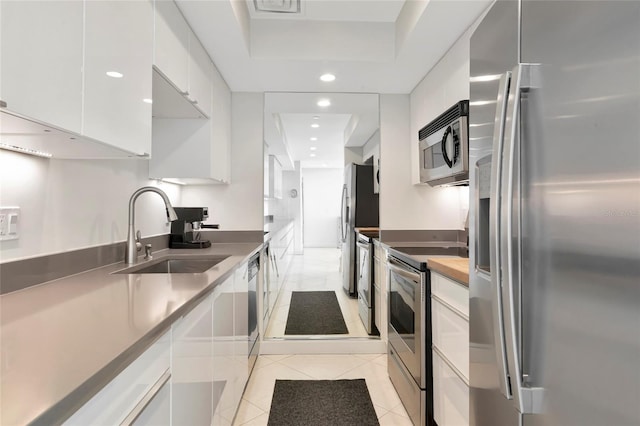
133	243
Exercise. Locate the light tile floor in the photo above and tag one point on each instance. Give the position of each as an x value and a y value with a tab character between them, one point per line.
256	401
316	269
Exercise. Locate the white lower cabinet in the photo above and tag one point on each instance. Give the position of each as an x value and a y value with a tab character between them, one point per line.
380	287
450	351
193	375
137	393
241	332
223	353
450	395
192	366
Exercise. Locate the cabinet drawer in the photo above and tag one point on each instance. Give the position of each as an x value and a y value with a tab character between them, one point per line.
450	335
121	396
452	292
450	395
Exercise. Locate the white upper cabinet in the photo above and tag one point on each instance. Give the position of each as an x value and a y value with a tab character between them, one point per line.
200	73
183	63
41	57
55	59
171	52
117	77
195	151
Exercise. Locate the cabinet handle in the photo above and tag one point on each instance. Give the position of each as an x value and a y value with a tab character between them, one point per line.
146	399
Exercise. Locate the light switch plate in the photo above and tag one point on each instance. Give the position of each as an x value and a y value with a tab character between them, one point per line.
9	223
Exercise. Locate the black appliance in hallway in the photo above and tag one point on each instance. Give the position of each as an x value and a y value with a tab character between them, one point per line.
359	208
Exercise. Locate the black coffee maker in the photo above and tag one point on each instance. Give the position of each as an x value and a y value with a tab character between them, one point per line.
184	231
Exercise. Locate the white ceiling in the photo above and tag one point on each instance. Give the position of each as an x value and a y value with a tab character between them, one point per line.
372	46
350	120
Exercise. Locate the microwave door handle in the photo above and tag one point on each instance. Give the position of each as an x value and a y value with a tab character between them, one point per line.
456	146
526	399
443	147
494	234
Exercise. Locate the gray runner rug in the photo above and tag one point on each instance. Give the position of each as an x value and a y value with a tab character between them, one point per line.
315	312
322	403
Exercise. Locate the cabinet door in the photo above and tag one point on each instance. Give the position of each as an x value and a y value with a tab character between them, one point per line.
171	44
123	395
223	361
34	35
200	70
192	366
158	412
118	39
241	331
221	128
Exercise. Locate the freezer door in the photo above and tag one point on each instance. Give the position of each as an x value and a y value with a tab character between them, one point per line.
580	211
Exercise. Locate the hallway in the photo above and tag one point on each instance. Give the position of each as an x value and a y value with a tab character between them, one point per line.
317	269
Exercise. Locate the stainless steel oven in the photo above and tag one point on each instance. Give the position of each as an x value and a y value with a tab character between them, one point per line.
365	294
444	147
409	363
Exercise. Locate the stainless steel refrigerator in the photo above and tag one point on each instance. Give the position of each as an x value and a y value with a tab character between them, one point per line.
359	208
555	239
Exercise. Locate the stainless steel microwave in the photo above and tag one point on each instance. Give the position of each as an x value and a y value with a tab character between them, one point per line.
444	147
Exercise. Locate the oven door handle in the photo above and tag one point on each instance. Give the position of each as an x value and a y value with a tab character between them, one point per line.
364	246
400	269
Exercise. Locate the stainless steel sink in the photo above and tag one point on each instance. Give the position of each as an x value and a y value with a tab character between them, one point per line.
175	266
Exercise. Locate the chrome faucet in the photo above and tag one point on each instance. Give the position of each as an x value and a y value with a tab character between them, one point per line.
133	240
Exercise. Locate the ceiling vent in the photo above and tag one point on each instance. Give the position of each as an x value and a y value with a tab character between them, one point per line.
277	6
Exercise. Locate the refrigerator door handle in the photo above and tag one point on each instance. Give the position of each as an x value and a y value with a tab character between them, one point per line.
494	234
526	399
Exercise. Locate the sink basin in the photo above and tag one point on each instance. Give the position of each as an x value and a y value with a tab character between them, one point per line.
176	266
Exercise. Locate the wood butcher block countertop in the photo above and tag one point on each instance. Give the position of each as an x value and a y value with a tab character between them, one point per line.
456	268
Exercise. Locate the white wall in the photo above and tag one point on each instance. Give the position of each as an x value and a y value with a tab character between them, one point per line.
422	207
403	205
293	180
372	147
72	204
239	205
322	192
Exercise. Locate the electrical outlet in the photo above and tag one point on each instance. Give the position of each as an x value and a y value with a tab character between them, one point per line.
9	223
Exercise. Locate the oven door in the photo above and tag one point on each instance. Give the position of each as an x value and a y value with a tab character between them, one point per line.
407	316
444	153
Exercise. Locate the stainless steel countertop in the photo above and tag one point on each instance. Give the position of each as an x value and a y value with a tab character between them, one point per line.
64	340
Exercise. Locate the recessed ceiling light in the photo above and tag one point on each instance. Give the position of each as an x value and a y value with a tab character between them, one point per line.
315	125
327	77
313	139
115	74
316	117
312	155
147	101
324	102
313	148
